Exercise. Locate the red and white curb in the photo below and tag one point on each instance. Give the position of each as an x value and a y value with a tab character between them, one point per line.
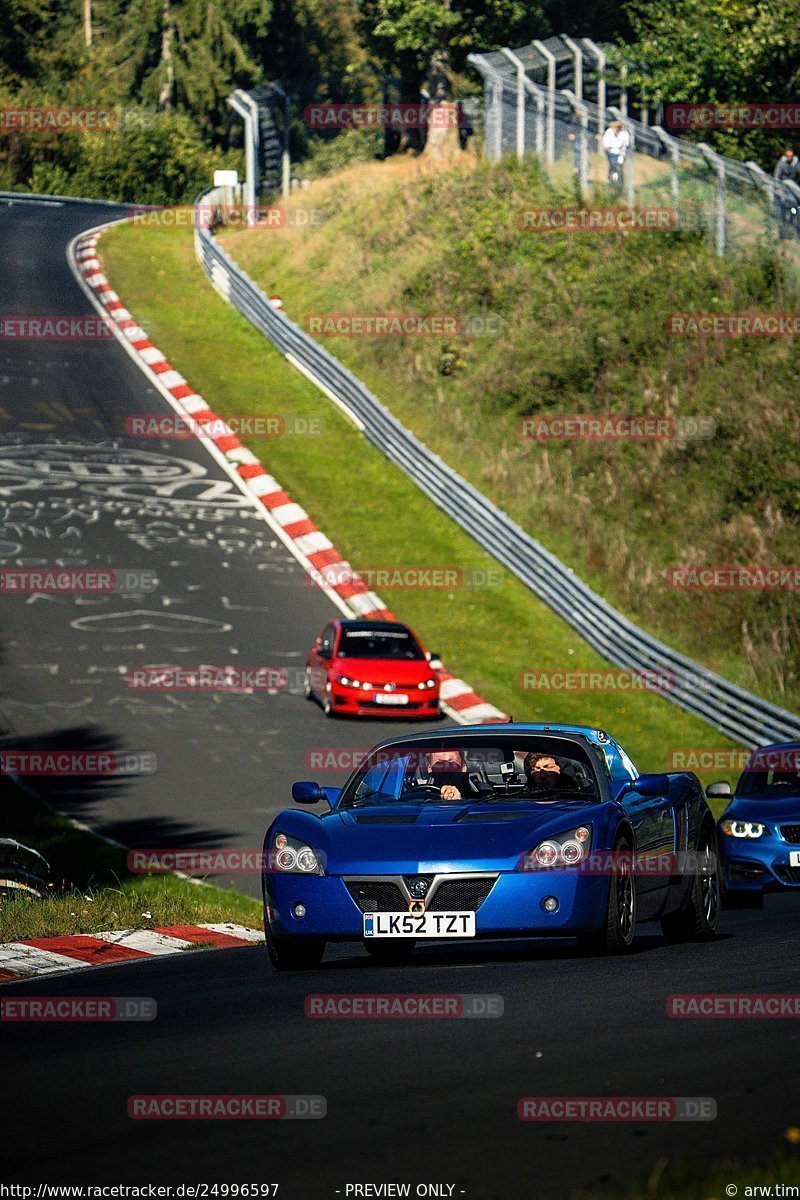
309	545
43	956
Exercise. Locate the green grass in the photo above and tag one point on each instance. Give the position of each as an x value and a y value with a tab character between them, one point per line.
372	512
584	330
92	888
695	1181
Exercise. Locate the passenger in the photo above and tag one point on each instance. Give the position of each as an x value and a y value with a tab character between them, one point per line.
543	773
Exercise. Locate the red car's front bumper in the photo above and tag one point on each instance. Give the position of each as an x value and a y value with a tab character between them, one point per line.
419	706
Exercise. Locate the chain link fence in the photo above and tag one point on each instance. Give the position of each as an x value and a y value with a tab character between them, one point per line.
529	109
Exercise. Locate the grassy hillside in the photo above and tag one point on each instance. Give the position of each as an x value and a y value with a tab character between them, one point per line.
583	331
373	513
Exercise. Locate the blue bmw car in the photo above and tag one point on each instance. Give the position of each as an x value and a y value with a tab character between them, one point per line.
490	831
759	831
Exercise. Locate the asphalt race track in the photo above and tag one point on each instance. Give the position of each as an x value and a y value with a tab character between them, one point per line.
410	1100
422	1101
75	491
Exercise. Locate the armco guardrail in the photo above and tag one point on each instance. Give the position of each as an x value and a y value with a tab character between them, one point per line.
22	870
734	711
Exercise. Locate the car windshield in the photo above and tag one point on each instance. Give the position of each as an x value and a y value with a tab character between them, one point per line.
772	775
380	643
489	771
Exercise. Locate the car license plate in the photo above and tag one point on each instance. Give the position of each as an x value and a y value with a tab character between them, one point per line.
794	858
426	925
390	698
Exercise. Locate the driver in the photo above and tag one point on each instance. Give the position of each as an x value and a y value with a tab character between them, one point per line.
446	770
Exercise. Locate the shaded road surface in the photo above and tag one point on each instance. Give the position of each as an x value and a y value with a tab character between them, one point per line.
411	1100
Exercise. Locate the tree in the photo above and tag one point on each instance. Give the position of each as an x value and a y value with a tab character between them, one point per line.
719	52
427	41
190	54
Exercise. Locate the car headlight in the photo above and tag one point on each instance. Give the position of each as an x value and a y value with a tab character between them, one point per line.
346	681
428	683
743	829
565	850
290	856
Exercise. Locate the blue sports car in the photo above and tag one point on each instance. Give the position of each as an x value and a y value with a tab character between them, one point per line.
759	831
490	831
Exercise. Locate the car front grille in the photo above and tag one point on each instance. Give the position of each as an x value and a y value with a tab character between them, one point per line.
791	833
461	895
788	874
451	895
377	897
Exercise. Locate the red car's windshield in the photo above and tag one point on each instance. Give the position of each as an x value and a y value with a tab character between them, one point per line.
380	643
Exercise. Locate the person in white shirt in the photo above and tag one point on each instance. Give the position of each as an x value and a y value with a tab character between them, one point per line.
615	143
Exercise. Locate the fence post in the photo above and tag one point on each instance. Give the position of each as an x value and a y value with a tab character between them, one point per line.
718	163
768	183
600	56
550	59
520	69
577	55
671	145
583	145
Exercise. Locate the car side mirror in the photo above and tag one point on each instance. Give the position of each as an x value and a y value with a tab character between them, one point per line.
431	655
720	789
306	792
651	785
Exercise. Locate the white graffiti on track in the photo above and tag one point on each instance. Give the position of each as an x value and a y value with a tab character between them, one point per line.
142	619
88	462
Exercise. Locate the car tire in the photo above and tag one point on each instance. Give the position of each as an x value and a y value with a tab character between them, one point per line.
697	920
619	929
327	706
307	689
389	950
293	954
742	899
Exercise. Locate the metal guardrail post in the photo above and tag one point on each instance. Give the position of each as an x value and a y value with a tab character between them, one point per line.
718	163
550	59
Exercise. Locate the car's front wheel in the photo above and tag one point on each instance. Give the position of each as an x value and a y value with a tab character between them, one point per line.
617	933
327	703
389	950
697	920
293	954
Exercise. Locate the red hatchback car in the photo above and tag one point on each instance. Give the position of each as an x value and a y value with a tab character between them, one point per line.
371	669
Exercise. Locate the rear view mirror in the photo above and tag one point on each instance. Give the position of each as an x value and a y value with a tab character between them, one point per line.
720	789
305	792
